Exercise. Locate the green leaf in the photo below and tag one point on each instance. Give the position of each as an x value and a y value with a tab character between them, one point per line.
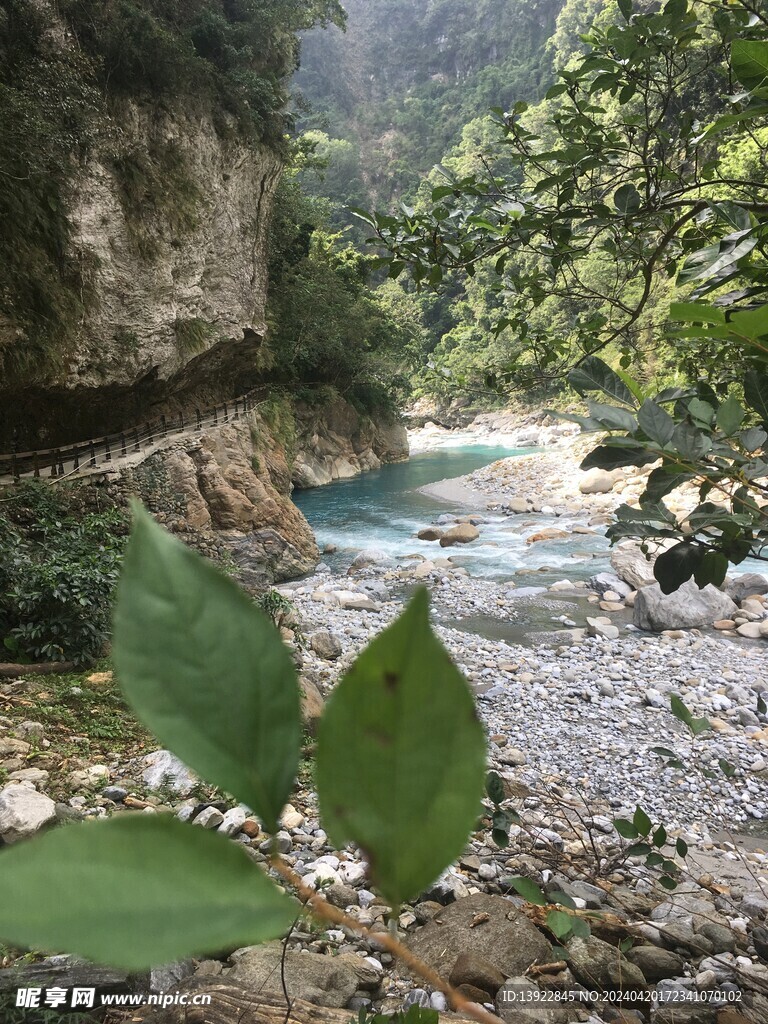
730	416
529	891
753	438
562	899
751	323
660	836
726	768
500	837
494	787
625	828
641	821
612	417
749	58
682	848
580	928
135	891
615	456
559	923
756	393
676	565
690	442
656	422
639	850
663	752
712	568
206	671
595	375
667	882
701	412
695	312
401	757
681	712
627	200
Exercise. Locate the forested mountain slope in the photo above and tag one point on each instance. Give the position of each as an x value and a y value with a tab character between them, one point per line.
400	84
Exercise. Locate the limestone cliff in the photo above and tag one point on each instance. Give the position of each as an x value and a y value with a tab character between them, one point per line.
227	493
177	291
335	442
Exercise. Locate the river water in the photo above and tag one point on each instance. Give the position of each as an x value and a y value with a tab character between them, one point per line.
383	510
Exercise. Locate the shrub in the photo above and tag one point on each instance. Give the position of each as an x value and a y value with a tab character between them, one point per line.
58	571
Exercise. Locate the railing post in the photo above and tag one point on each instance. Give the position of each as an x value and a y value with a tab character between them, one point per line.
237	414
215	416
199	420
14	461
53	464
163	426
122	446
136	445
36	464
150	437
226	413
61	463
76	464
92	460
181	421
107	451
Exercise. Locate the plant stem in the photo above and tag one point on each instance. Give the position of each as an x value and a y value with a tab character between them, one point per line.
323	909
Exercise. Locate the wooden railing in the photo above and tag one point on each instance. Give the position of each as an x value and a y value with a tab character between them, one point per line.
104	452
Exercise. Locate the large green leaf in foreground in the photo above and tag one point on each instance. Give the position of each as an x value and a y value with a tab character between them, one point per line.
206	671
401	757
136	891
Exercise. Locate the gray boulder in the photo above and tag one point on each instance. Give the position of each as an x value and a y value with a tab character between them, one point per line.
631	565
464	533
507	940
747	585
685	608
165	770
602	582
322	980
23	811
599	965
656	963
326	644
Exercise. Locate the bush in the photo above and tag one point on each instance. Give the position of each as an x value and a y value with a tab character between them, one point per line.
58	571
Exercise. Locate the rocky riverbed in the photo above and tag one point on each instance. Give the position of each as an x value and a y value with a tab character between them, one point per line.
574	697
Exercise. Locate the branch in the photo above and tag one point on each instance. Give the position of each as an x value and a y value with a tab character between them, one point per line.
323	909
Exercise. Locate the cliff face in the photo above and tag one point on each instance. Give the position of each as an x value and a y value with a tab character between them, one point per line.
335	442
175	278
227	493
173	234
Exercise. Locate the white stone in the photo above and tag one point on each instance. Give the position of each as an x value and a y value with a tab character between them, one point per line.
232	821
165	770
23	811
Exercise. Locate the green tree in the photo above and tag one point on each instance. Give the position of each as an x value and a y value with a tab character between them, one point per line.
627	195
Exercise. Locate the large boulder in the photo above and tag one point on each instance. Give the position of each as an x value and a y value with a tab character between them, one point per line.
326	644
600	481
602	582
430	533
632	566
322	980
165	771
464	533
23	811
490	927
599	965
312	704
746	585
685	608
